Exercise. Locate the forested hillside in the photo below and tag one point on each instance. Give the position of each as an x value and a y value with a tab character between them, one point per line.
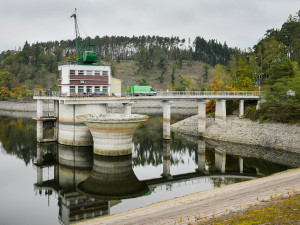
272	65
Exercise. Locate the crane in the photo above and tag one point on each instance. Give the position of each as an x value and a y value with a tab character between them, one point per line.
85	48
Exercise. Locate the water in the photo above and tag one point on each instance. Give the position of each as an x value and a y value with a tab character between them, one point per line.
42	183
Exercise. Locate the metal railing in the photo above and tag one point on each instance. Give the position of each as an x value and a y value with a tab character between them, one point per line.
157	94
198	93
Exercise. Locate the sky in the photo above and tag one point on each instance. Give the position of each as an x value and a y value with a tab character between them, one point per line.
239	23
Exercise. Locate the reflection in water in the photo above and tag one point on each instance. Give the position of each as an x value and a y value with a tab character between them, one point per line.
112	177
169	169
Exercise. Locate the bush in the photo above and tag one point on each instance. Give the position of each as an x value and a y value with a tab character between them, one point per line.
4	93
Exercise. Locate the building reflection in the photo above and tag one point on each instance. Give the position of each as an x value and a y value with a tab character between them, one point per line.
71	166
86	185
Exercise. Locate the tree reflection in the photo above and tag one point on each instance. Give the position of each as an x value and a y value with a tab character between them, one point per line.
18	137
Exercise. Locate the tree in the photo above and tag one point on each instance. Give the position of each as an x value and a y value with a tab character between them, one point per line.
7	79
174	66
143	82
205	73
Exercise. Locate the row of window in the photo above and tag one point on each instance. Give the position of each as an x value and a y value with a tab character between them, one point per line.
89	72
88	89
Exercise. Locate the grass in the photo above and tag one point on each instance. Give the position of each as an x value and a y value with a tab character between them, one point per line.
277	210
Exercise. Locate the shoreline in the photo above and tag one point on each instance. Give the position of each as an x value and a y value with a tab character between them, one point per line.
244	131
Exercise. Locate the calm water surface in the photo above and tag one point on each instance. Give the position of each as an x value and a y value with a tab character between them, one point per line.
56	184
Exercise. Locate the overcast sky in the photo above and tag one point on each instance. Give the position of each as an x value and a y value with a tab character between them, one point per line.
241	23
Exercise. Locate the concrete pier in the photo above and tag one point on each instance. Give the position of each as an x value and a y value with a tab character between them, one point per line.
201	117
167	120
112	178
73	131
220	113
241	108
112	133
166	160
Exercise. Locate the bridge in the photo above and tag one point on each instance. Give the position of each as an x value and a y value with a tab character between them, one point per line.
66	109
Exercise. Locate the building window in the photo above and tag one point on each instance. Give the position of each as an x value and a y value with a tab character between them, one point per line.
105	89
97	72
89	89
72	89
72	72
104	73
80	72
97	89
89	72
80	89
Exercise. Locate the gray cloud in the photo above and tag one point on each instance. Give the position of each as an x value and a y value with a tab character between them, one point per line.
240	23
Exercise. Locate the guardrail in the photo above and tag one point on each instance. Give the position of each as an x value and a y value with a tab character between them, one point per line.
200	93
158	93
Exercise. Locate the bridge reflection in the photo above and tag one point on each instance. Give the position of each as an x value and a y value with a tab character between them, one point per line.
88	186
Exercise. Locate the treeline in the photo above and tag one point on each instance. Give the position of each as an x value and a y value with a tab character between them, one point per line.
272	65
35	65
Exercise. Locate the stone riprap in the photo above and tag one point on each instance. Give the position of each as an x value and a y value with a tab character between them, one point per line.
272	135
112	133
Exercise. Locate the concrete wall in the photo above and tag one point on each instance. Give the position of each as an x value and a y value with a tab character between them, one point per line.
72	131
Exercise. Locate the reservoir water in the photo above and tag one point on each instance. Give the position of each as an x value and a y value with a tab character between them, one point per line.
57	184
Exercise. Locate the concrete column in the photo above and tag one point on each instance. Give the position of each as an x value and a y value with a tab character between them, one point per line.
201	156
202	117
39	108
127	108
39	130
56	108
166	120
241	164
220	160
166	160
241	109
220	113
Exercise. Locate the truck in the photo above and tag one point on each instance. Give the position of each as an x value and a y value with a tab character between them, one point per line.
140	90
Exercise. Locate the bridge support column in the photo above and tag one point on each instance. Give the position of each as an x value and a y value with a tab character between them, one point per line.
39	108
202	117
201	156
220	113
166	160
241	164
166	120
127	108
220	160
241	109
39	123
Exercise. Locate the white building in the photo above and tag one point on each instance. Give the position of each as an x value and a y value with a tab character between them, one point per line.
84	80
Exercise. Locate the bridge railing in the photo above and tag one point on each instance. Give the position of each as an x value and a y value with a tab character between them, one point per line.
208	93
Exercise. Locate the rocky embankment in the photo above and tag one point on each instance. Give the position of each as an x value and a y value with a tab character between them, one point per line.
272	135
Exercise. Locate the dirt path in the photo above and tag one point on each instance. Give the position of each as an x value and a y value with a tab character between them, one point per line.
210	203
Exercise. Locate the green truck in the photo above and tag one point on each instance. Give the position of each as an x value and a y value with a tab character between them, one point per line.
140	90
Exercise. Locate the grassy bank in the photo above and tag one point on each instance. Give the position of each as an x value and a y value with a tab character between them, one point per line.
276	210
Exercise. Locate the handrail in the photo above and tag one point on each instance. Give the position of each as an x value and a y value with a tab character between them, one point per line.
158	94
